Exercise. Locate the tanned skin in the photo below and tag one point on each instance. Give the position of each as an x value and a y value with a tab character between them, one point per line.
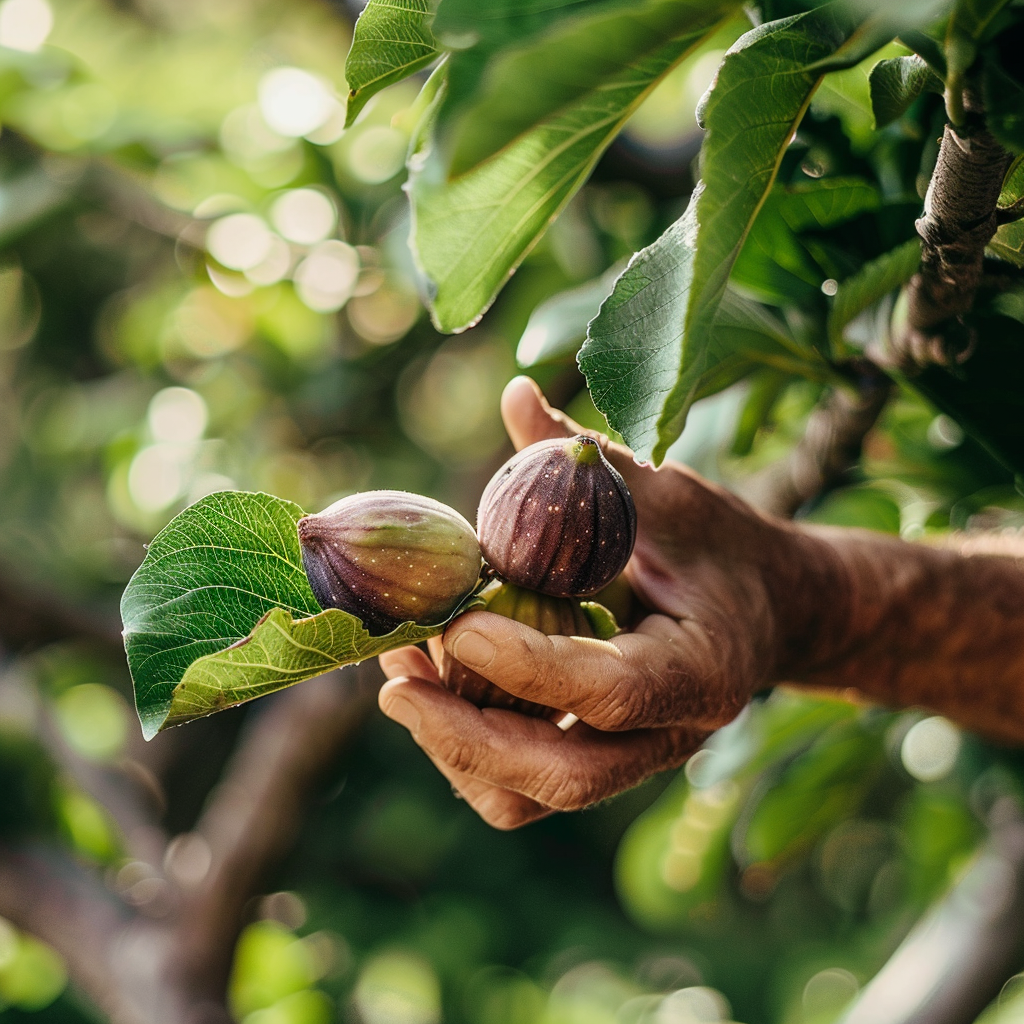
737	601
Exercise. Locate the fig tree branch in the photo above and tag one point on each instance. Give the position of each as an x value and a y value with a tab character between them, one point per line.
960	218
159	949
255	813
31	618
831	445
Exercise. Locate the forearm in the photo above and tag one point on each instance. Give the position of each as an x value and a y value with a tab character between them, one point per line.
912	625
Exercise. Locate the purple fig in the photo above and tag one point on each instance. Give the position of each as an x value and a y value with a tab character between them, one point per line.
558	518
390	557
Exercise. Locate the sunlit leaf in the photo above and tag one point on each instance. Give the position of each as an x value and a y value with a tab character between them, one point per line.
896	83
632	360
207	578
392	39
470	234
220	611
644	378
522	86
281	650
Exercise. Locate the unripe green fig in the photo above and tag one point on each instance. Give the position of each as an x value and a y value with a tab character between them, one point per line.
557	518
390	557
555	616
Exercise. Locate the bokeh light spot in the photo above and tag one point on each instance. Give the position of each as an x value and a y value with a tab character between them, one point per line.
294	102
274	267
93	719
239	241
304	216
398	988
156	477
695	1005
177	414
325	279
385	315
930	749
25	24
828	992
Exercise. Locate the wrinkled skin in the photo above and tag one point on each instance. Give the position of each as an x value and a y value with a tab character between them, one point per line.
736	601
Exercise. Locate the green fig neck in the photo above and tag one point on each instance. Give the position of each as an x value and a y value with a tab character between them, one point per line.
584	451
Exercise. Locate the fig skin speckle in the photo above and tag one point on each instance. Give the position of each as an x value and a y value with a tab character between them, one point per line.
390	557
558	518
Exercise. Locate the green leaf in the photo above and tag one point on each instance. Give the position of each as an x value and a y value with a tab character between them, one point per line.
280	651
972	17
774	264
1008	242
766	388
557	326
220	612
208	576
523	86
469	235
1003	93
871	283
983	394
479	30
928	49
392	39
896	83
634	349
644	379
822	787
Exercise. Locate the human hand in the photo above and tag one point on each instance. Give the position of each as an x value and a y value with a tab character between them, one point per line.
711	572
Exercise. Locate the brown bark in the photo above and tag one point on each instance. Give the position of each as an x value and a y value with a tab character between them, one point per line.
159	951
831	445
959	220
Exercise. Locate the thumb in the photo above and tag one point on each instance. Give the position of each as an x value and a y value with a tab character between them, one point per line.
528	417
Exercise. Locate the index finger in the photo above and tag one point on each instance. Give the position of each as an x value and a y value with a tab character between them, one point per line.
665	674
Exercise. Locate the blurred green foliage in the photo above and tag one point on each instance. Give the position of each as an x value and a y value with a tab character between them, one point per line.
205	284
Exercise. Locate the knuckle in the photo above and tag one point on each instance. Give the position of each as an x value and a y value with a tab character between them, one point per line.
617	709
526	663
563	788
459	753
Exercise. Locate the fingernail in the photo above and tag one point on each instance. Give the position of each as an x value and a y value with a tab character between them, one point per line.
403	712
473	649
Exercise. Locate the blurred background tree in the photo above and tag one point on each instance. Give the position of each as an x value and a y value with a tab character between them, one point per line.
205	284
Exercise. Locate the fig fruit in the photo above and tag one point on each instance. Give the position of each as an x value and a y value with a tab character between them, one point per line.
390	557
557	518
555	616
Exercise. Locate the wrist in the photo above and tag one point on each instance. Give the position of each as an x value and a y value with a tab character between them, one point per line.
812	591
